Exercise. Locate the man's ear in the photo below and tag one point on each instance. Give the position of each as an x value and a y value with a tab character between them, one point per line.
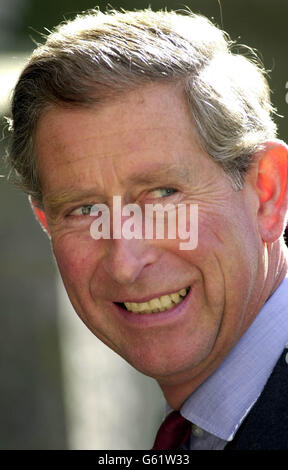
272	175
40	215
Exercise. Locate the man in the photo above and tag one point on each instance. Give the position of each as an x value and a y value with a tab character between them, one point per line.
154	108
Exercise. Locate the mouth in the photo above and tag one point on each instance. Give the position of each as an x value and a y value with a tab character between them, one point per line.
157	304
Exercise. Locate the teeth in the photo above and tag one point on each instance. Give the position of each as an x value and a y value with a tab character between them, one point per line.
159	304
175	298
166	301
183	292
154	306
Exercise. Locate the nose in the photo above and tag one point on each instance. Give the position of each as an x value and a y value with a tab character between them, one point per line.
126	259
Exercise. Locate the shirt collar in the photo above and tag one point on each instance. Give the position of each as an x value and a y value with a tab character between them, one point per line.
222	401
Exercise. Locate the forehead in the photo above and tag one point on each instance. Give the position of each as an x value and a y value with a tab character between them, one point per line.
138	131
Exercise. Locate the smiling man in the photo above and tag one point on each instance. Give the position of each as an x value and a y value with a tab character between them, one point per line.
154	107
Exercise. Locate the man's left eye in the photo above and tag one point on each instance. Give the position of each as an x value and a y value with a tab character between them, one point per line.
82	210
163	192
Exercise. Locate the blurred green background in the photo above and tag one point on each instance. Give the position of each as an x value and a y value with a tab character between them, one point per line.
33	408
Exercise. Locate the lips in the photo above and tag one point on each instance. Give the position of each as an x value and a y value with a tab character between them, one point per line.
157	304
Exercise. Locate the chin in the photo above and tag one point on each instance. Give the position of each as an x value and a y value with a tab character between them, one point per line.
165	367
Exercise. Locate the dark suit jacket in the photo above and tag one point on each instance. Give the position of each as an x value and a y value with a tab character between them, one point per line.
266	425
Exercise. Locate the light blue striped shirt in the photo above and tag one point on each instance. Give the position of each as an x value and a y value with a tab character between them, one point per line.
221	402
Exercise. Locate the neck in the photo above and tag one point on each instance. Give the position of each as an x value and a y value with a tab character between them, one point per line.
277	265
176	391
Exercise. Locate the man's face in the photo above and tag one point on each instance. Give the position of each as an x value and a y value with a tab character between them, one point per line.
143	147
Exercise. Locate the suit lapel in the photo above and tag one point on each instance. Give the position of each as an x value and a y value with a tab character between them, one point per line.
266	425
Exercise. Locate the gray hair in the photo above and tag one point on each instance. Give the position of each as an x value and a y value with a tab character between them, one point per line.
97	55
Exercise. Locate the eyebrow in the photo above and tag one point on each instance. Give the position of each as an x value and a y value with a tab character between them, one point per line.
54	201
163	172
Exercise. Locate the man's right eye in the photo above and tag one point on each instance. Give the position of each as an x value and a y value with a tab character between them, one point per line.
82	210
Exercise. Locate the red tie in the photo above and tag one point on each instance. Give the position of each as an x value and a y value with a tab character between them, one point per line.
173	432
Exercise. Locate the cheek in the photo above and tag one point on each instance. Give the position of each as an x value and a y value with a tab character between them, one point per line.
75	256
227	254
229	249
229	230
